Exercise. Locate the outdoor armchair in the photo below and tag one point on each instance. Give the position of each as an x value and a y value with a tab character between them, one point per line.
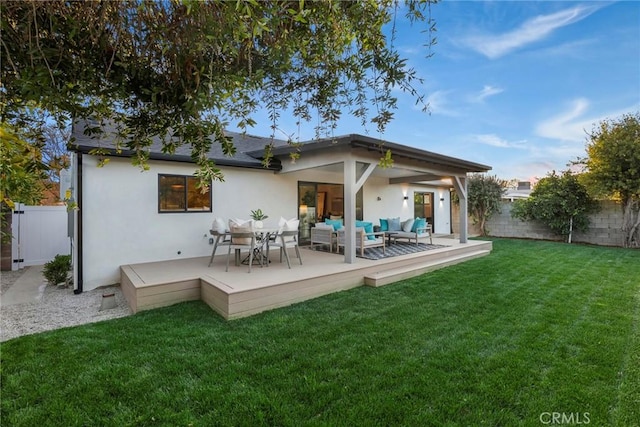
220	238
323	236
363	240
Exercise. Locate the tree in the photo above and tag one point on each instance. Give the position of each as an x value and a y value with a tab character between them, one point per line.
21	172
484	193
613	169
182	70
50	140
560	202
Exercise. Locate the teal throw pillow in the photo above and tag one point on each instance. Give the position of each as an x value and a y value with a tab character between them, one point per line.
336	223
384	224
420	224
368	228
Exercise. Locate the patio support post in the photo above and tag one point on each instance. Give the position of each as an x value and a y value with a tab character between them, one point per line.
350	210
460	184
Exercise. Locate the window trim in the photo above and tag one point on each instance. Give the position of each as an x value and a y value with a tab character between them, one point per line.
186	209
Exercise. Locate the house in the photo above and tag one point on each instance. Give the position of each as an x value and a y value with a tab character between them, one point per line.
127	216
521	191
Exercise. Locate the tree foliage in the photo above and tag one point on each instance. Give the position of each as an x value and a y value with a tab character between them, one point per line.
21	169
613	169
484	193
560	202
21	172
184	70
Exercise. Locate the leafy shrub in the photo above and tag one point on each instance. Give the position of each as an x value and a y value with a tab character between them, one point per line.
55	271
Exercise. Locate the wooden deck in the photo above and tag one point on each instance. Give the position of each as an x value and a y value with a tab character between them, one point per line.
237	293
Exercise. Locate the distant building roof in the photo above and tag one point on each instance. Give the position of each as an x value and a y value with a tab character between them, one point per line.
522	191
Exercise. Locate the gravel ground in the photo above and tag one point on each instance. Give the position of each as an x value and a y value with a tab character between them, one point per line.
58	308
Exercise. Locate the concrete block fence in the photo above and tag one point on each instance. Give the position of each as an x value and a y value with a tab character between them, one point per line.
604	229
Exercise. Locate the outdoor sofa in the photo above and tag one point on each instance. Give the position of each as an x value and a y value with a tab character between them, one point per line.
412	229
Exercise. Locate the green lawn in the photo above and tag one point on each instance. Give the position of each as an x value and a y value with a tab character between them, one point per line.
535	328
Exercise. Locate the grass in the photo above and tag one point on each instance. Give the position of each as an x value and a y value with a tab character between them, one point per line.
534	328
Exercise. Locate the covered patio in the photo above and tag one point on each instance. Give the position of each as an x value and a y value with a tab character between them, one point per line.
355	159
236	293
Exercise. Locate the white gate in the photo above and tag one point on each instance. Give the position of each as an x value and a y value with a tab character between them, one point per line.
39	234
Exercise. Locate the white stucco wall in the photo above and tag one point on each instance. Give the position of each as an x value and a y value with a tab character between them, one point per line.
392	203
121	223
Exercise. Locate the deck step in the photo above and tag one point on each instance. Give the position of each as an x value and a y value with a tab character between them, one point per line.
393	275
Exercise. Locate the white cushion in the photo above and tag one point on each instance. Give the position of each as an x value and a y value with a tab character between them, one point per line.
323	226
246	227
375	242
237	221
407	225
218	225
288	224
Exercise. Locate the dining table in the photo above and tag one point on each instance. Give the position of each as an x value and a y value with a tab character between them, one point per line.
261	251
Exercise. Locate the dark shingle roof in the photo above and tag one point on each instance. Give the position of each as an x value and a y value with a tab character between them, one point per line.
374	144
243	143
250	149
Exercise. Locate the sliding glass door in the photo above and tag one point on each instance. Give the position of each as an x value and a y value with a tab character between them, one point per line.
319	201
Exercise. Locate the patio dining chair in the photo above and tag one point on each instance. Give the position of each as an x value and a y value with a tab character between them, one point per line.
287	239
220	239
243	240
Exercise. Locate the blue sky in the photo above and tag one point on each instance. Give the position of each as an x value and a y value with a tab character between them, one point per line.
514	84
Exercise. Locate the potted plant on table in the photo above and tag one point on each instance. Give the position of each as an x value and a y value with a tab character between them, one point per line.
258	216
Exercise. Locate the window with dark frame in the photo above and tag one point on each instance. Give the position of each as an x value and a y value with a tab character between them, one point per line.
423	206
179	193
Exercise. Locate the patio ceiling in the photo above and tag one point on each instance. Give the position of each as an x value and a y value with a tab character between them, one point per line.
410	165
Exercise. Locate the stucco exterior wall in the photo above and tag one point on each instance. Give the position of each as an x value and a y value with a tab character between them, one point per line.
392	203
121	223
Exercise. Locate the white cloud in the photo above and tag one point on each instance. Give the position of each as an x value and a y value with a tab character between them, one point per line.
486	92
565	126
495	141
571	125
438	101
496	45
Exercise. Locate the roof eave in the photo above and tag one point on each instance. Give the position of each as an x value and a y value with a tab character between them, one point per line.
361	141
275	166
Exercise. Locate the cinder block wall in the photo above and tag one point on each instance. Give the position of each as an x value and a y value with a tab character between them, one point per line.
604	229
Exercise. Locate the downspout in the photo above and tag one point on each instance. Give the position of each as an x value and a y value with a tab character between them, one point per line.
79	278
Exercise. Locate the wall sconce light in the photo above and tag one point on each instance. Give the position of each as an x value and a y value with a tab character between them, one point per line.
442	199
379	198
406	197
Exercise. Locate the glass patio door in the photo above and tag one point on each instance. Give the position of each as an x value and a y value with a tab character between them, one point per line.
307	201
319	201
423	206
